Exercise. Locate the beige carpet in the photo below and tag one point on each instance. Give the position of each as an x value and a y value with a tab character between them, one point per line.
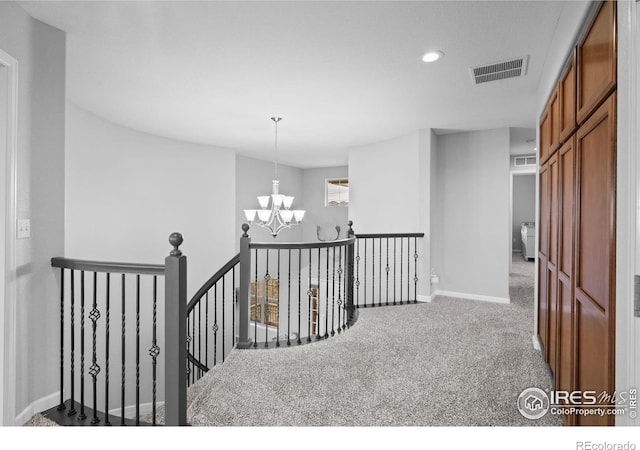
451	362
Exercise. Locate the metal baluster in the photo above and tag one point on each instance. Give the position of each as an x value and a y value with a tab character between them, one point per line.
265	308
72	410
339	285
387	270
154	351
326	313
188	348
318	299
309	301
199	336
223	333
94	370
106	352
373	272
61	406
289	303
278	306
401	241
333	293
357	272
415	270
365	272
380	272
137	349
233	303
215	324
82	415
193	347
344	287
206	329
255	306
408	272
122	367
394	271
299	341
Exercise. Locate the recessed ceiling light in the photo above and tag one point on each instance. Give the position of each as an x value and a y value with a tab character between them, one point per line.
432	56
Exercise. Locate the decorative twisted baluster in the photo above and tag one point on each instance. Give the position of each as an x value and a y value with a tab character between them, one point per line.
309	294
154	351
94	370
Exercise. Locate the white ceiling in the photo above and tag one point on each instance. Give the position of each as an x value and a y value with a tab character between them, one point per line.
341	74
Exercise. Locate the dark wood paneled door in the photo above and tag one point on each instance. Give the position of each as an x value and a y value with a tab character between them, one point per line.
594	287
543	257
552	264
566	201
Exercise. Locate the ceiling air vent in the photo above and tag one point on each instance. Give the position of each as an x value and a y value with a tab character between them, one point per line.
511	68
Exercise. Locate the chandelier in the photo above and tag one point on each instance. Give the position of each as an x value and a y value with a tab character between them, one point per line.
279	215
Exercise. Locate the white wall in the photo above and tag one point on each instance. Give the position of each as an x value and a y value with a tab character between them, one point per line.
524	206
40	51
390	191
384	185
126	191
470	220
327	217
253	178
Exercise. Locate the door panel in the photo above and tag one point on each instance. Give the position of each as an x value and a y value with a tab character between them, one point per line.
552	274
594	290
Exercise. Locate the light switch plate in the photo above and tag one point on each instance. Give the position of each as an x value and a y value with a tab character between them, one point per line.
24	228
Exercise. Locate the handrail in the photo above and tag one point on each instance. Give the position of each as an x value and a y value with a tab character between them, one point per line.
211	281
389	235
300	245
105	266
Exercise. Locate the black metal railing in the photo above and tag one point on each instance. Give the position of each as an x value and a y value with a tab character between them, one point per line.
211	321
294	293
386	269
123	327
269	295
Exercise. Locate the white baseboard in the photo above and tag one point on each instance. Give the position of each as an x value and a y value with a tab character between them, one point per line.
130	411
424	298
536	342
482	298
39	405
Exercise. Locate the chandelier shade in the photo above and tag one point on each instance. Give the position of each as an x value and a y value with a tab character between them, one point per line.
275	213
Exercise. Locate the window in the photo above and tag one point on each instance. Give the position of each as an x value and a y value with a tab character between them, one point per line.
336	192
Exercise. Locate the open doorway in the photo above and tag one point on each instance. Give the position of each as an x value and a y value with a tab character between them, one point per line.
522	215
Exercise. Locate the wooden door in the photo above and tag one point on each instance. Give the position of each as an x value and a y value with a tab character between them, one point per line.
566	194
543	257
552	264
597	61
594	286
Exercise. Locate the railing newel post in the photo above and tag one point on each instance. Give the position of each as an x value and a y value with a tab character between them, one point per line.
244	341
350	278
175	334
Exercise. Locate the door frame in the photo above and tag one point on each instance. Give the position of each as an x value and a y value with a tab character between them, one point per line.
627	334
9	297
514	173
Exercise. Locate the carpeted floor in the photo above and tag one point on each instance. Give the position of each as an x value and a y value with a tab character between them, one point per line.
450	362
